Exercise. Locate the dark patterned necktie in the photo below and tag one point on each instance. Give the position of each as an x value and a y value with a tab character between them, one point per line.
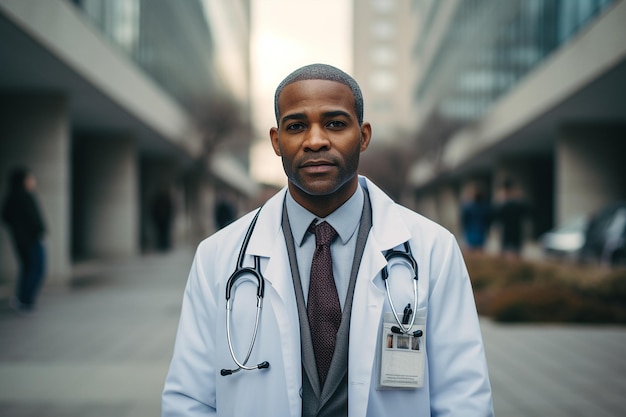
323	308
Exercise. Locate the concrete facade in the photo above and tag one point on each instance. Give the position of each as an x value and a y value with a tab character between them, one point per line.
590	169
101	133
105	209
383	41
558	132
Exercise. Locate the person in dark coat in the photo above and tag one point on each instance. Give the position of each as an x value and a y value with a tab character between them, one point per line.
23	218
163	216
476	217
511	215
225	213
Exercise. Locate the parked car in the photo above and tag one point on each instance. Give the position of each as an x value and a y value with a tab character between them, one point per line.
605	236
599	239
565	242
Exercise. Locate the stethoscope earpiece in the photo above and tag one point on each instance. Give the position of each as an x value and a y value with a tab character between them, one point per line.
262	365
397	330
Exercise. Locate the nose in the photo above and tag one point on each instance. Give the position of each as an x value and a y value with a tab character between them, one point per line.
317	139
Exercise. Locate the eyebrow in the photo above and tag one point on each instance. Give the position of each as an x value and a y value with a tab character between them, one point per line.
326	115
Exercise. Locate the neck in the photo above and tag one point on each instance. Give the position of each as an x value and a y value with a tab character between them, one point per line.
322	205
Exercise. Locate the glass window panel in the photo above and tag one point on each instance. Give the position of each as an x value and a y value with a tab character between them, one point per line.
383	55
383	29
383	81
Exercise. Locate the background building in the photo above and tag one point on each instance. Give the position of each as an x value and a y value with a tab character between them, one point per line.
113	102
384	33
530	90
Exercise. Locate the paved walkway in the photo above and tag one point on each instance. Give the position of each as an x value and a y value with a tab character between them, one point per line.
102	348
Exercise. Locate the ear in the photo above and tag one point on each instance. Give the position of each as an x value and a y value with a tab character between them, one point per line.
274	139
366	135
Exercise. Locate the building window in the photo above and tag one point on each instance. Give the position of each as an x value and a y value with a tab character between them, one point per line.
383	30
384	6
383	81
382	106
383	55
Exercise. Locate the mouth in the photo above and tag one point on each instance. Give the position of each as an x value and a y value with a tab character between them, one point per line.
317	166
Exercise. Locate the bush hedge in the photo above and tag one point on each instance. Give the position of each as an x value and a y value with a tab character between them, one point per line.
532	291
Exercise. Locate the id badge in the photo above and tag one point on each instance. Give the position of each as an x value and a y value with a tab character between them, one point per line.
402	356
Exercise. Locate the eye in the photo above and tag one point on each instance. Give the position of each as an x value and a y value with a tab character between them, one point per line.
294	127
336	124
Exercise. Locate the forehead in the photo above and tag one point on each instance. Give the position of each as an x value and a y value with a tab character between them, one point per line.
304	94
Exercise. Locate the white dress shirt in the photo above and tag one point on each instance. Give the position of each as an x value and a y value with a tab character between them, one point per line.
345	220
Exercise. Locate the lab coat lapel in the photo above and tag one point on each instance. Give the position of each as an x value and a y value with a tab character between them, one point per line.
388	231
268	242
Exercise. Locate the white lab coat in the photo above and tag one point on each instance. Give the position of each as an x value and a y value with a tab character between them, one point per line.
456	382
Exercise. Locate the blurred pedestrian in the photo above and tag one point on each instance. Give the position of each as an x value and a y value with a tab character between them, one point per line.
511	214
476	216
163	216
225	213
23	218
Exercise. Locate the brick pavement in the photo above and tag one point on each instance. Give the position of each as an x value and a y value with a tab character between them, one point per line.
101	349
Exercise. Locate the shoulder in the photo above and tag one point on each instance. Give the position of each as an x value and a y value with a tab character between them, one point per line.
424	230
231	234
393	219
227	240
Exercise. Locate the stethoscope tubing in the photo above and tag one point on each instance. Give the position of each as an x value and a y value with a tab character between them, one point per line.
407	258
240	270
242	365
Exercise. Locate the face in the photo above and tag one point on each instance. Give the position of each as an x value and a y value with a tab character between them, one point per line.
319	141
30	182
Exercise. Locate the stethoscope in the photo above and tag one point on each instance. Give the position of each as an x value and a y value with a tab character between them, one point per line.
406	257
241	271
404	327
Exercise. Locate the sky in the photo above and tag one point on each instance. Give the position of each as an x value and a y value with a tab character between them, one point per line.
287	34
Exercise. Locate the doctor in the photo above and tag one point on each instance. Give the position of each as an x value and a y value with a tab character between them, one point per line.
320	349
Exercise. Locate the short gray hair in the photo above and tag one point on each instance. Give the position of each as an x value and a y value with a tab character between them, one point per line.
322	72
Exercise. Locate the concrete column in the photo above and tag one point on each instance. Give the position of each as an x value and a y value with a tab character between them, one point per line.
106	197
448	207
34	132
198	213
590	169
157	176
426	204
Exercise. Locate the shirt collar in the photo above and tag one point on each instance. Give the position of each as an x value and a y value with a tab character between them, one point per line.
342	220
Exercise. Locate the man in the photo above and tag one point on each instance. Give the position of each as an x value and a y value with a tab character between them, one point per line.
23	218
511	214
324	349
